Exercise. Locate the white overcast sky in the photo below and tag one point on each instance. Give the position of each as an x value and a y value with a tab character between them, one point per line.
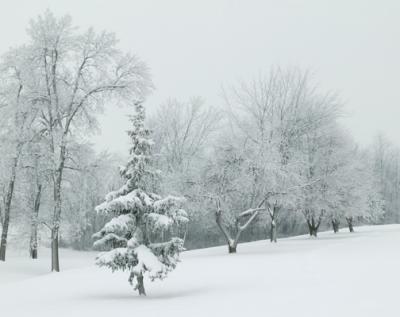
193	47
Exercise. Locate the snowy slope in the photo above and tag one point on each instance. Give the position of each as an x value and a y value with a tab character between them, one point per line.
334	275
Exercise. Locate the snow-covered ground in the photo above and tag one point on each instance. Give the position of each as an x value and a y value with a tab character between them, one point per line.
345	274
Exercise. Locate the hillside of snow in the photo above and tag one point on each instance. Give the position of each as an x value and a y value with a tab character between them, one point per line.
334	275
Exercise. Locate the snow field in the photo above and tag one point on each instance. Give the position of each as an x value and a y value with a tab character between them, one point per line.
334	275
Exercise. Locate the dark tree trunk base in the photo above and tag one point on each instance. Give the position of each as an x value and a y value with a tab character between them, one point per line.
335	226
55	263
313	233
4	236
140	285
231	249
34	254
273	234
350	224
312	230
2	253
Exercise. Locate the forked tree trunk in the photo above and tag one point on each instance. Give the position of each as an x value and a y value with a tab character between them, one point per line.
7	209
232	243
34	225
350	223
140	285
312	231
335	225
313	225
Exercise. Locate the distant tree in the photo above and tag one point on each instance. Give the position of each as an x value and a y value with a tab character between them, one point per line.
386	175
89	177
321	149
143	232
231	187
181	130
271	116
361	196
184	133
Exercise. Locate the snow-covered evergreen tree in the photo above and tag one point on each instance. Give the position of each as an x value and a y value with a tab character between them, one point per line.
143	234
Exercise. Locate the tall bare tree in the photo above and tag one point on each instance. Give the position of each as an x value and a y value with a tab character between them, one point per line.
75	75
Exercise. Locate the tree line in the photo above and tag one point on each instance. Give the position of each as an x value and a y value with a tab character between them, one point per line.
272	159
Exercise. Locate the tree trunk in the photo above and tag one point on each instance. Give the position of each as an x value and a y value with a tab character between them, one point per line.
34	225
34	254
273	231
350	224
313	232
312	227
335	225
7	209
274	215
231	244
1	217
232	248
4	235
140	285
55	261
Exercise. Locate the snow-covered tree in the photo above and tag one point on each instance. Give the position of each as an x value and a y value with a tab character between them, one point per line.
361	197
74	73
18	113
386	167
184	133
143	231
271	116
321	147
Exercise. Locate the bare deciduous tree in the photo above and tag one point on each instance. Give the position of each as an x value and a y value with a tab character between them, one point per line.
75	74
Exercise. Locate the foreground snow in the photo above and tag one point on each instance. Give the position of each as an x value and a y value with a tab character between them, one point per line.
334	275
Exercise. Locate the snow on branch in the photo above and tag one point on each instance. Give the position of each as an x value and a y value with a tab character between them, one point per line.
116	259
253	213
119	224
163	205
135	200
249	212
169	211
159	221
148	262
109	238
